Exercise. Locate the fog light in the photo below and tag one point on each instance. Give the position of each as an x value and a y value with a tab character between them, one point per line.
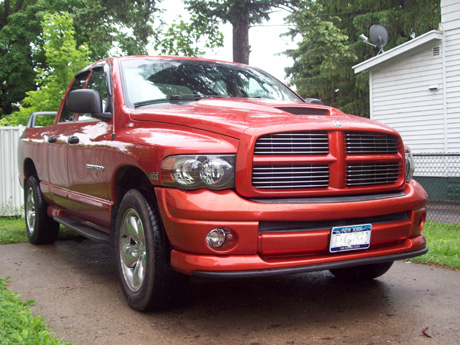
216	237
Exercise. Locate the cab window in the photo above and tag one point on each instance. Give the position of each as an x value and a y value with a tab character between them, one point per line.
79	83
97	82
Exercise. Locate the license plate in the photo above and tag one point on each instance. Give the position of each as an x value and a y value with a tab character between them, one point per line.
353	237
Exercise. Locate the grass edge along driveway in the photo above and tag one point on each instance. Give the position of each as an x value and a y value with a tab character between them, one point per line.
19	326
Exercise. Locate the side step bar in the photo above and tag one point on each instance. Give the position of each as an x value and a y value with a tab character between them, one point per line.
85	229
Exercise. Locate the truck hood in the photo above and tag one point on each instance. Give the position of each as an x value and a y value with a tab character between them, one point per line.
234	116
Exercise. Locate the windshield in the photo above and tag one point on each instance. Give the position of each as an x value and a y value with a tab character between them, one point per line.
153	81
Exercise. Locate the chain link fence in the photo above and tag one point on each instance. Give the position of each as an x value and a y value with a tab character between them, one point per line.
439	174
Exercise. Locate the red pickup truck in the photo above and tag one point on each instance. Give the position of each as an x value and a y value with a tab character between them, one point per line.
197	167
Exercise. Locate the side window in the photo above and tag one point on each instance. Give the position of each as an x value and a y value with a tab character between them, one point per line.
97	82
79	82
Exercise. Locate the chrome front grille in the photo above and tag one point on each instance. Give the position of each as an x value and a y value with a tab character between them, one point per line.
290	176
325	162
370	143
372	174
293	143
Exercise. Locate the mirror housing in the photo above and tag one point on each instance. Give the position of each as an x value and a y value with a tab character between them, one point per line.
86	101
313	101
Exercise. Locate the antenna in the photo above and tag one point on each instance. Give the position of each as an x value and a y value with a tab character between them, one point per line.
379	37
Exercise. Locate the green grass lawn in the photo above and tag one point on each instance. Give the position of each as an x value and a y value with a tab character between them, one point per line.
13	230
443	244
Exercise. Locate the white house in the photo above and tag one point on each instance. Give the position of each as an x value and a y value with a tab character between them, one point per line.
415	87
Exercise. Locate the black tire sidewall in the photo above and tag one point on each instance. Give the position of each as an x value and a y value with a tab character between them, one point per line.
141	299
45	229
32	184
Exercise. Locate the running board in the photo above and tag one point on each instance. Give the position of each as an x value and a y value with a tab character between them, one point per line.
84	228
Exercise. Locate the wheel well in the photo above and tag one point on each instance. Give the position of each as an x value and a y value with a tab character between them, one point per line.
127	178
29	169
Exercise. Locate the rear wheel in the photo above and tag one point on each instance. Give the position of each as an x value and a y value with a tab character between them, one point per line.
41	229
364	272
143	255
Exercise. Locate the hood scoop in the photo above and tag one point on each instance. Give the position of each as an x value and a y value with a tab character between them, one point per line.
304	111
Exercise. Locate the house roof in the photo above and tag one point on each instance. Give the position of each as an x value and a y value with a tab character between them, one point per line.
398	51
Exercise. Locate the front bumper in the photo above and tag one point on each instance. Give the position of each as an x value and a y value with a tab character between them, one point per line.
256	267
189	215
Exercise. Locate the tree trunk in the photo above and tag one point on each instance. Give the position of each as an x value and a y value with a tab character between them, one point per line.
241	40
18	5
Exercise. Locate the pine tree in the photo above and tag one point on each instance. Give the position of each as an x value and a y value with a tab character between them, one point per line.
329	46
240	13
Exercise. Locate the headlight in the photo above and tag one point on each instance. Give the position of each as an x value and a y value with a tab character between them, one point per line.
198	171
410	166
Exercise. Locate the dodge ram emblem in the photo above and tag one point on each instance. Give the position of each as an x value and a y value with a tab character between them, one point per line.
337	124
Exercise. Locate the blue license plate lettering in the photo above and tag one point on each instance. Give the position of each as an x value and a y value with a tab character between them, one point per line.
352	237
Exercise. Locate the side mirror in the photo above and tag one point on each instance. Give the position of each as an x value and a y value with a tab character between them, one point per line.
313	101
86	101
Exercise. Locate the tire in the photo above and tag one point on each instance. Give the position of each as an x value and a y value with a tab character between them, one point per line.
41	229
364	272
143	255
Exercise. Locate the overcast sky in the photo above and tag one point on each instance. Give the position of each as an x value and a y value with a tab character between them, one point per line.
265	40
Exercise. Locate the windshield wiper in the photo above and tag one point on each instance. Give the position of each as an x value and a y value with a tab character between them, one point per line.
184	97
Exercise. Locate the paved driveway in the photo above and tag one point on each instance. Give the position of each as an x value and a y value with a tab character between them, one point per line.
75	288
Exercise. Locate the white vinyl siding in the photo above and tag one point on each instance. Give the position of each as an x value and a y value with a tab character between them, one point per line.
450	14
452	61
401	98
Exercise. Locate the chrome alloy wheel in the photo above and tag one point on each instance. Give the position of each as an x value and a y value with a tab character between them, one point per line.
30	210
133	253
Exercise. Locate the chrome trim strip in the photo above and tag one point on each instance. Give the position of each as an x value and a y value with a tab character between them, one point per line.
331	199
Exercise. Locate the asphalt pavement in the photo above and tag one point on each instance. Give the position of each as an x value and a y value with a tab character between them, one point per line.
76	289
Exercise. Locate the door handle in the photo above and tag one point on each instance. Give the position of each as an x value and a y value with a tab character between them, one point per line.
73	140
52	139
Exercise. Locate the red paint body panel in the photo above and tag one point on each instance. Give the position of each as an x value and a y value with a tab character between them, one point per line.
80	180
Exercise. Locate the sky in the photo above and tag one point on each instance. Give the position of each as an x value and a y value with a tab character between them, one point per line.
265	40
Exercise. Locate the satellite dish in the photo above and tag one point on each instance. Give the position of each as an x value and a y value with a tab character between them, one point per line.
379	36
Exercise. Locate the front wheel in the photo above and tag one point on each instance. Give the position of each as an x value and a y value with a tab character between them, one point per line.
41	229
143	255
364	272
